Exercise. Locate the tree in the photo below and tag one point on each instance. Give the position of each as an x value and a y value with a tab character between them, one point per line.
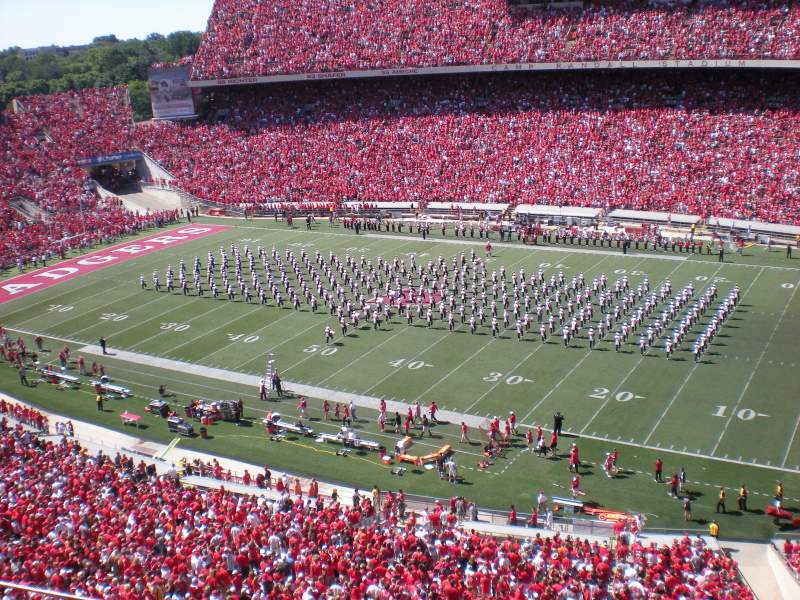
107	61
140	99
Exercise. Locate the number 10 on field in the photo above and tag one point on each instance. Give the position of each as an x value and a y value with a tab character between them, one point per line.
745	414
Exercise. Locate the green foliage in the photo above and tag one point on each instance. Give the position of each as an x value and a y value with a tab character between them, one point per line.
106	62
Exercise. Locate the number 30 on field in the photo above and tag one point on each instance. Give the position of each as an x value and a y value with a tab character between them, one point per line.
326	351
494	377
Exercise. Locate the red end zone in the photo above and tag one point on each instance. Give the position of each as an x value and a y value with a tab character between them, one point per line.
47	277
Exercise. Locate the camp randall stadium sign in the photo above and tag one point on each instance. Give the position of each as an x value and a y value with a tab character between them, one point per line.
728	63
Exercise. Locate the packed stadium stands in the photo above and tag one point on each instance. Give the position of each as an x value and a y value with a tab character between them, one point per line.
85	123
39	146
248	38
106	526
708	144
791	551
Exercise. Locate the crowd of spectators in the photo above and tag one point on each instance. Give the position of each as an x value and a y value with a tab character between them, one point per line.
247	38
707	144
40	144
791	552
106	526
84	123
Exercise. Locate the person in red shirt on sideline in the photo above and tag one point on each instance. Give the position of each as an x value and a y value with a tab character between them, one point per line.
574	458
433	409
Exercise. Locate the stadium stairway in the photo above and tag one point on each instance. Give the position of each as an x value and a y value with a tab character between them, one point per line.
29	210
763	570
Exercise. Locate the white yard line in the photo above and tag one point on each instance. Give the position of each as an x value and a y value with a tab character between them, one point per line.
262	357
345	397
791	441
412	359
356	361
689	375
635	366
471	406
79	331
577	364
218	306
518	245
612	394
456	368
49	300
498	245
73	316
228	345
753	372
367	353
500	380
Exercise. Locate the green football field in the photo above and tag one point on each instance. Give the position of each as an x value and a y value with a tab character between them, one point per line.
730	418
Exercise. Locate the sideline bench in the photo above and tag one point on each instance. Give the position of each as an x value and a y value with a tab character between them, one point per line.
112	388
51	374
348	440
567	505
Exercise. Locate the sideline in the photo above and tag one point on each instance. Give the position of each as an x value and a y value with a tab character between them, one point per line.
372	402
497	244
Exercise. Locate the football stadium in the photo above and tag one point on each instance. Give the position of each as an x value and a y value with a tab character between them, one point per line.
411	300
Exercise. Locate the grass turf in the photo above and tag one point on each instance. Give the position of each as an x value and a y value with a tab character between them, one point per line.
689	414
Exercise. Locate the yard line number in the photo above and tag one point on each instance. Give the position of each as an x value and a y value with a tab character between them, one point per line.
242	337
547	265
62	308
494	377
326	350
745	414
175	326
409	364
603	394
113	317
634	273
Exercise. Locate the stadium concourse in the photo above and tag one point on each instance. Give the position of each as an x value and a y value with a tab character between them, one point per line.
705	144
306	37
96	525
40	143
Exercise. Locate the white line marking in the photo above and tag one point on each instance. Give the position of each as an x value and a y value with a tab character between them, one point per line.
500	379
511	246
639	362
368	352
691	372
753	372
162	332
612	394
576	365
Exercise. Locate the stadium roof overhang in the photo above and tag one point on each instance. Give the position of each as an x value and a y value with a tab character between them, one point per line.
505	68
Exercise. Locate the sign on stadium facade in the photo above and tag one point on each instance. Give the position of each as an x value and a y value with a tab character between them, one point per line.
108	159
555	66
170	94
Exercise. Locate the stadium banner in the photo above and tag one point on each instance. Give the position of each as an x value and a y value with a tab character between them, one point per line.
503	68
46	277
108	159
170	95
